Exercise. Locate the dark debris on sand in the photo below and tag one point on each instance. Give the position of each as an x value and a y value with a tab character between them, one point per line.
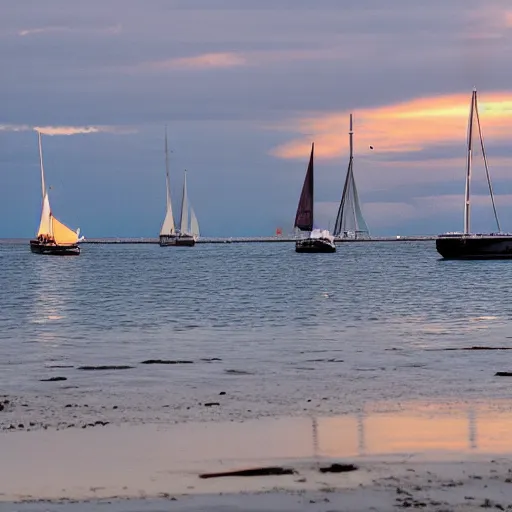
106	367
166	361
266	471
338	468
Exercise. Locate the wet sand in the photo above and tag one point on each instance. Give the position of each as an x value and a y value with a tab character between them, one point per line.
424	458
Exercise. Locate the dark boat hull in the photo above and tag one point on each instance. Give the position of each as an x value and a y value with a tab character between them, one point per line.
167	241
314	245
475	247
185	241
52	249
177	241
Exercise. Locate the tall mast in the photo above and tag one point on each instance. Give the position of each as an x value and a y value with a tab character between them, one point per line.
43	184
351	135
167	179
469	164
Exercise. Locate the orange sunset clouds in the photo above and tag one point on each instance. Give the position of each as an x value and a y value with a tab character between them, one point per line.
409	126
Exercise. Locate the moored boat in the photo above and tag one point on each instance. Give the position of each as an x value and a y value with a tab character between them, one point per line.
469	245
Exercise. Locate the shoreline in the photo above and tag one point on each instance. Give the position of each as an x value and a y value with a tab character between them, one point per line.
431	457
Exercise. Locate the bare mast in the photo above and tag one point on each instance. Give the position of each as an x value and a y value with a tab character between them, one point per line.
469	165
43	184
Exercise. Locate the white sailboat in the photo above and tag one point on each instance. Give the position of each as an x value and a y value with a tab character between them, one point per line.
53	237
350	222
168	231
189	226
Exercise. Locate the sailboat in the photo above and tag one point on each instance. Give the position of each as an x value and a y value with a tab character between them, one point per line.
318	240
189	226
350	222
53	237
469	245
168	231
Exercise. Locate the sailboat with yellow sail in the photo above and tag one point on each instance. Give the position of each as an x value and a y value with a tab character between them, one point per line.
53	237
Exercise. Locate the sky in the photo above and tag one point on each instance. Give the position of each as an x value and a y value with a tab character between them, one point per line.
244	87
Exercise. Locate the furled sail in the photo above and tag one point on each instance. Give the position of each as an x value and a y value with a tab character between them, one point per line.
304	216
168	227
350	220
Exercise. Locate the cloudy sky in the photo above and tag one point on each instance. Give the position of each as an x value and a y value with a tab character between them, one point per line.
245	86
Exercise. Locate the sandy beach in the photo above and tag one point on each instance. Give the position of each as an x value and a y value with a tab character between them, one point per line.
425	458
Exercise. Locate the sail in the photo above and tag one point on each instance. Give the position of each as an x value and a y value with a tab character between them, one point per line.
304	216
62	235
350	220
184	207
168	227
45	227
194	225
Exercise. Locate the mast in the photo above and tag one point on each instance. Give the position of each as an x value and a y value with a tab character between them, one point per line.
469	165
168	227
351	138
43	184
167	179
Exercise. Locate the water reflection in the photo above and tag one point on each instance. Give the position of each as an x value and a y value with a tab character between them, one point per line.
52	293
468	431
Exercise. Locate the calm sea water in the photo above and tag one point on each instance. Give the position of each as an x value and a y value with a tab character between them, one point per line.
295	333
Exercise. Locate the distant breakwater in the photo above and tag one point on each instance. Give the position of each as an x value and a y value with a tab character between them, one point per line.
267	239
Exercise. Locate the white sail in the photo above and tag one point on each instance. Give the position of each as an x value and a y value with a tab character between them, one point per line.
184	208
168	227
45	225
194	225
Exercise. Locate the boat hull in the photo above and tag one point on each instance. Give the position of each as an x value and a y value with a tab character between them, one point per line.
177	241
185	241
475	247
315	245
167	240
52	249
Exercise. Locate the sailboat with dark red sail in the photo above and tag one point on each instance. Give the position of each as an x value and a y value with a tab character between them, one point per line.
318	240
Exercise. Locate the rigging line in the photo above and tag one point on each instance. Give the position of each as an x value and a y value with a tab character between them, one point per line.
487	168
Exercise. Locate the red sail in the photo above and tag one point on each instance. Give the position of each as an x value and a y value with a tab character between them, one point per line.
304	217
